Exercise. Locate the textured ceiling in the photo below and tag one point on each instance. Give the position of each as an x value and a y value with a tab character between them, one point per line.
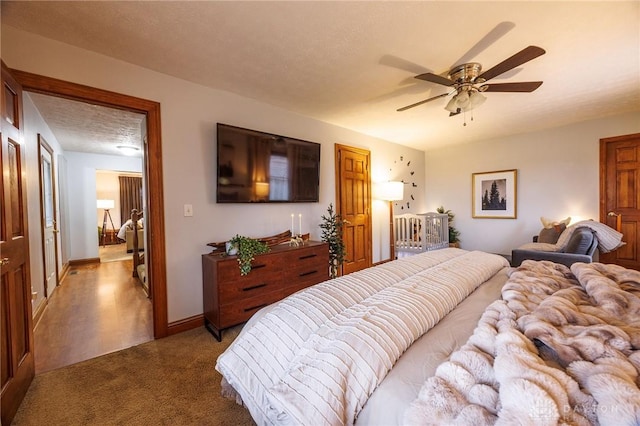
352	63
83	127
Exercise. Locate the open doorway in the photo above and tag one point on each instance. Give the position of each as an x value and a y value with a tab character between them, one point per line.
118	193
152	171
155	253
100	307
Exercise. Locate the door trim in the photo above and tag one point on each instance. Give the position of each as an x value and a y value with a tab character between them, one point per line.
43	145
152	152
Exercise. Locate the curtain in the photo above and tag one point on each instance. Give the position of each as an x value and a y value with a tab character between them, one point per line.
130	196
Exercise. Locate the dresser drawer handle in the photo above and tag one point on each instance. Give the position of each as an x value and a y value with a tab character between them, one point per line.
309	256
254	287
304	274
262	265
255	308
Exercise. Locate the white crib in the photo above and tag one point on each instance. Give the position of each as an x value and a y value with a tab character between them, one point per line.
415	233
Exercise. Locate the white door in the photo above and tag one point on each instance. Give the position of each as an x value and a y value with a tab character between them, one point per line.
48	217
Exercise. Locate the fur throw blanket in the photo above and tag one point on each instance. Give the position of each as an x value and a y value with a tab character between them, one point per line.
561	347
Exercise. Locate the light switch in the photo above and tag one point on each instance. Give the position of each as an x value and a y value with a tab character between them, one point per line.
188	210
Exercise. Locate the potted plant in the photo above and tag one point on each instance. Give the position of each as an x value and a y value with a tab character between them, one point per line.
454	241
332	233
246	249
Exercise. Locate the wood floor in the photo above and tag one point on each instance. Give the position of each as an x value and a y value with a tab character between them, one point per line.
97	309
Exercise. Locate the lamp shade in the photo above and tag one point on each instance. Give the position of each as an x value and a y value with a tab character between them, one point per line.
106	204
390	191
262	189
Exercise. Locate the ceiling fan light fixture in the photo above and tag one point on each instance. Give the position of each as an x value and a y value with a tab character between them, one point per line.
463	99
475	100
451	105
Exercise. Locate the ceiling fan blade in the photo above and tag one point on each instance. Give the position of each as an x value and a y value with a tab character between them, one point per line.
435	78
525	86
525	55
421	102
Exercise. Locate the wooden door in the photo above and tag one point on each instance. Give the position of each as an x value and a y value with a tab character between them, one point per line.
17	369
353	183
620	196
48	218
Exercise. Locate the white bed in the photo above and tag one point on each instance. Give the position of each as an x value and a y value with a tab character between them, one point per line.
284	340
126	231
416	233
446	337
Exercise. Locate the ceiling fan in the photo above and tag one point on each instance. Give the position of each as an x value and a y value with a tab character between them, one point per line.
468	82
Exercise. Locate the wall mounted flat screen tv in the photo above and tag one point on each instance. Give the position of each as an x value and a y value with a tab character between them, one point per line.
258	167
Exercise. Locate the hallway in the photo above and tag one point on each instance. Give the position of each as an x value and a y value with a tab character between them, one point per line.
99	308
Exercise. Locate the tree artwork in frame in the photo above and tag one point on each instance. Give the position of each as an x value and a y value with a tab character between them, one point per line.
494	194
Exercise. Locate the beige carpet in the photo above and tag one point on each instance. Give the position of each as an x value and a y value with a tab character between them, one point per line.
171	381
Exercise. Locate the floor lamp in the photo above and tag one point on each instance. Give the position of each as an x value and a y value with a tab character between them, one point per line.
391	191
106	205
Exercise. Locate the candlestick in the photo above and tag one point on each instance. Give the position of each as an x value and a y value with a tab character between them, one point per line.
300	222
292	230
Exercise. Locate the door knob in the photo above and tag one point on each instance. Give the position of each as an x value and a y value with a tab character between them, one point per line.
4	261
618	217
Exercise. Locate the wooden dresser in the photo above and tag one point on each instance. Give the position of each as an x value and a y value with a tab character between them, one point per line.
230	299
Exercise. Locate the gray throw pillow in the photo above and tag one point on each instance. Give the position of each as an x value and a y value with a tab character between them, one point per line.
551	235
580	241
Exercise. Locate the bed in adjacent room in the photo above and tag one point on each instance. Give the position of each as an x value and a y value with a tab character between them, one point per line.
398	344
126	232
136	239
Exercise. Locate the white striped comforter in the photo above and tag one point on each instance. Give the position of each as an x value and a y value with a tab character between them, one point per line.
317	355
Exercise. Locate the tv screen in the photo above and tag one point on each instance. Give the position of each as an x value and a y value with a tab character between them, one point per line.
258	167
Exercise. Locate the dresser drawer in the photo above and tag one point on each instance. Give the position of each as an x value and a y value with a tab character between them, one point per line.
241	311
307	267
229	270
250	285
308	256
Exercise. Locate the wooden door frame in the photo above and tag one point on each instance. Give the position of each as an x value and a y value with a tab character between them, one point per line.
152	152
337	149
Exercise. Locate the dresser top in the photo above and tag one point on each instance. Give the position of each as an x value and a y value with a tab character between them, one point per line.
280	248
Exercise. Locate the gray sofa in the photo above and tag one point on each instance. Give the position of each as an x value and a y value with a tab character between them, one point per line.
581	248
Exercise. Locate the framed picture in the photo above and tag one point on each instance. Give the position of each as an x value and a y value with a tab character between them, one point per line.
494	194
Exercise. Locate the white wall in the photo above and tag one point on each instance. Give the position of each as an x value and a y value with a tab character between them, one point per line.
558	176
34	125
189	114
81	171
